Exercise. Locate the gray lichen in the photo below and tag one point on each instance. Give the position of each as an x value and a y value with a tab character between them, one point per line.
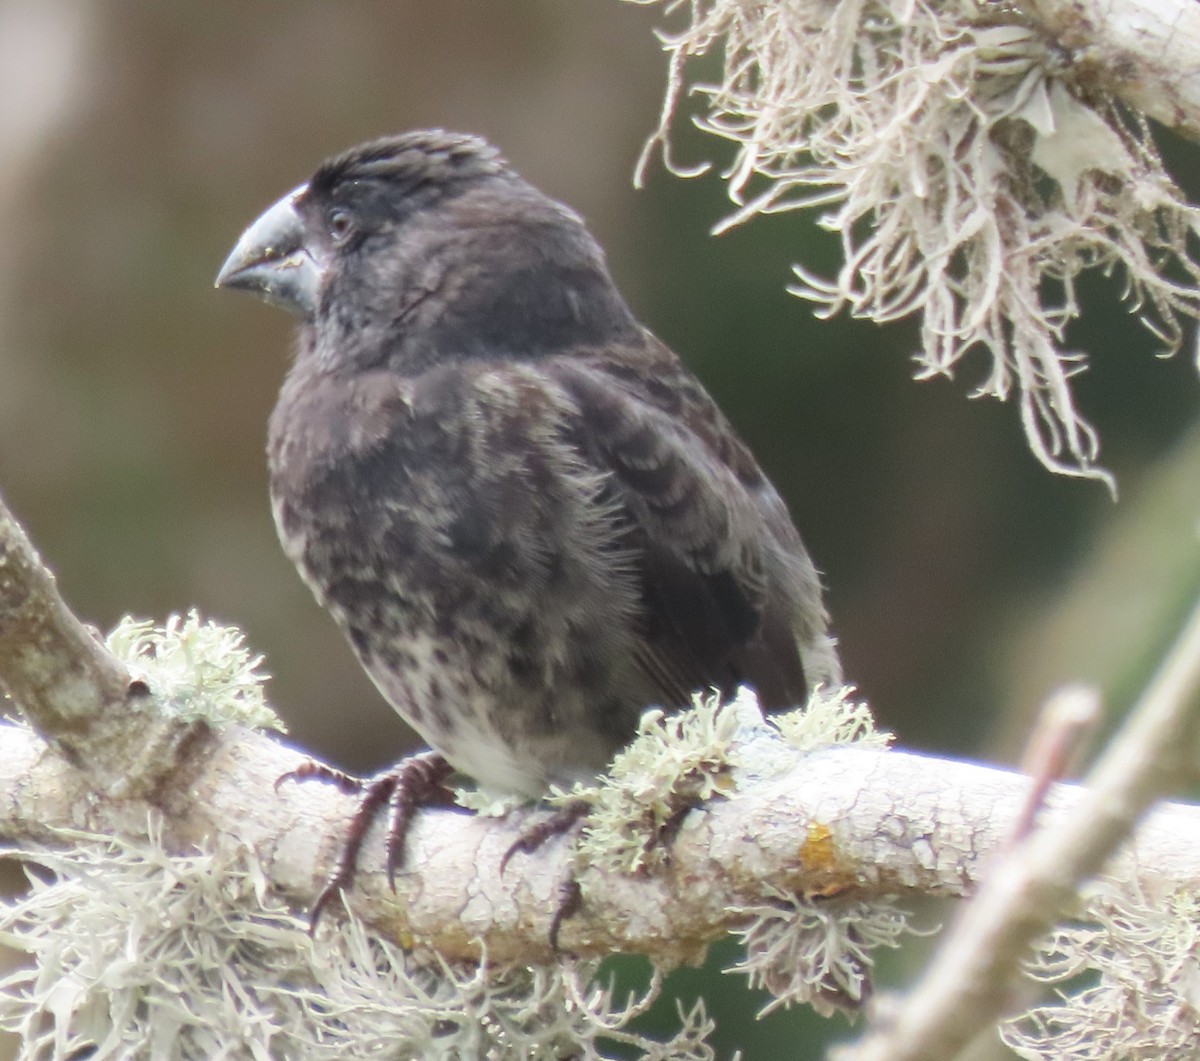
139	954
196	670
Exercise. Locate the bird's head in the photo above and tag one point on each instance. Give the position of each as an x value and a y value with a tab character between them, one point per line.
423	246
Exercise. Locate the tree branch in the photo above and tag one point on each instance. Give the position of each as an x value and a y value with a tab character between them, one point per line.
1033	885
840	821
1145	52
50	663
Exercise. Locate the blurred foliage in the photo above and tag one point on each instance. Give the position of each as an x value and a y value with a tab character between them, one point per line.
140	138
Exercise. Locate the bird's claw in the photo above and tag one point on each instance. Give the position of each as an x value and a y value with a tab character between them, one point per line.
414	782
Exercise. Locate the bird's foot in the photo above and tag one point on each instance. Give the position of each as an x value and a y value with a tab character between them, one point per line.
565	819
559	822
415	782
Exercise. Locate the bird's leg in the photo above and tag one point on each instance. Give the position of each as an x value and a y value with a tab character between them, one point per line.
313	770
418	781
570	899
560	821
414	782
565	819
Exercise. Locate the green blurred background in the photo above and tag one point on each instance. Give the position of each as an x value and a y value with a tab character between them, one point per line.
136	141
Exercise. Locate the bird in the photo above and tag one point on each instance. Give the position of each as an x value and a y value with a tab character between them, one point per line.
527	516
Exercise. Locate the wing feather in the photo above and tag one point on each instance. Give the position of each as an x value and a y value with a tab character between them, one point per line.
718	609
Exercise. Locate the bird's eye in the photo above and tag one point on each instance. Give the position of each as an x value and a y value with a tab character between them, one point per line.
340	224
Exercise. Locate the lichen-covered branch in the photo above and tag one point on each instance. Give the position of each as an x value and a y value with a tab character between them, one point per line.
93	711
840	821
1145	52
1025	894
55	669
973	160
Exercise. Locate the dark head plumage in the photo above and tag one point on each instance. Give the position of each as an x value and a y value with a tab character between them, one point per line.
408	161
360	248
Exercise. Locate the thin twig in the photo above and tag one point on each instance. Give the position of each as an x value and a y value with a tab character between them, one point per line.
1055	747
967	984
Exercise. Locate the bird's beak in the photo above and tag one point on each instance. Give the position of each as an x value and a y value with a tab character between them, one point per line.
272	261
